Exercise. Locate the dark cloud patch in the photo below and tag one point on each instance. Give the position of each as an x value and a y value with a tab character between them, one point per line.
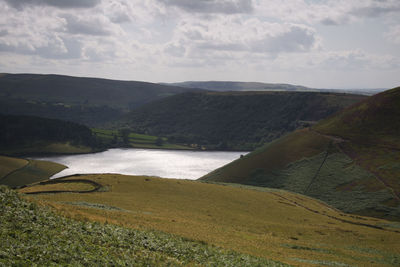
378	8
212	6
375	11
73	50
3	33
330	22
55	3
296	39
76	25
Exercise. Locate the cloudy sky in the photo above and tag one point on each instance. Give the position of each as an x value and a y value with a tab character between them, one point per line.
317	43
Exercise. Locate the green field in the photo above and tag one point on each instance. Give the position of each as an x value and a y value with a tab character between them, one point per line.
137	140
262	222
15	172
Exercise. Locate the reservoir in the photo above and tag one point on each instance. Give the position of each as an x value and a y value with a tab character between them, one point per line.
153	162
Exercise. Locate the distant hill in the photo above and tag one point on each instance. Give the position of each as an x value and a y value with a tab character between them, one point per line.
21	135
223	86
234	120
350	160
91	101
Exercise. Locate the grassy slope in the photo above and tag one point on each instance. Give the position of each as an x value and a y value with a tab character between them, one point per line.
262	222
34	236
373	129
17	172
354	163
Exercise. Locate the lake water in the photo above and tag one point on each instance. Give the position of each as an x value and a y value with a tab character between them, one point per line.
163	163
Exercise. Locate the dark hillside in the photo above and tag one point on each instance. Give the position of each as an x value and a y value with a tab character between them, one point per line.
350	160
374	121
79	90
90	101
234	120
19	132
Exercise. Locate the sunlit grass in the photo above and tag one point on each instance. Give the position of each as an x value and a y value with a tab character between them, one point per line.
267	223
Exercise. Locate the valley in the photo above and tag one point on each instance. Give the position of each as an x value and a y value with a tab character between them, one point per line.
320	187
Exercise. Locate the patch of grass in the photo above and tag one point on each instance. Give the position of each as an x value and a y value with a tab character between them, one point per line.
271	157
60	187
322	262
9	165
33	171
94	205
247	219
32	235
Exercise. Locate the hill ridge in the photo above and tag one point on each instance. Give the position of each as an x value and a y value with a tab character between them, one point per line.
358	173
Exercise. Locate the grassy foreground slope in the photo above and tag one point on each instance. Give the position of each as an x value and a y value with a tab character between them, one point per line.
350	160
35	236
267	223
15	172
234	120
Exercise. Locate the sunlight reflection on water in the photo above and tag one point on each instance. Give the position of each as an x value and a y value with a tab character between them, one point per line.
163	163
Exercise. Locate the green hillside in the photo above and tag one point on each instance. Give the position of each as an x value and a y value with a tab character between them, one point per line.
262	222
91	101
21	135
234	120
350	160
32	235
15	172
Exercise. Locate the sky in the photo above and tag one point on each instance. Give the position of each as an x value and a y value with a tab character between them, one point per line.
315	43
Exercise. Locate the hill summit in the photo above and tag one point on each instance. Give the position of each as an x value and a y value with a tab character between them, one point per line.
350	160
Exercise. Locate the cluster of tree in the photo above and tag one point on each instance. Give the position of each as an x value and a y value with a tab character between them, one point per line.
18	131
88	115
233	120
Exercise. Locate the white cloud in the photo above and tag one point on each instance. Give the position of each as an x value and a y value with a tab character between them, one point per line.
393	35
330	12
211	39
236	35
57	3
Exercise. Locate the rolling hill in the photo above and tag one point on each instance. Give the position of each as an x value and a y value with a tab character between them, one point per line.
91	101
233	120
265	223
33	235
224	86
16	172
350	160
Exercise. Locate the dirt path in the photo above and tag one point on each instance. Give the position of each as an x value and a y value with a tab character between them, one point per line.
97	186
337	140
333	217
